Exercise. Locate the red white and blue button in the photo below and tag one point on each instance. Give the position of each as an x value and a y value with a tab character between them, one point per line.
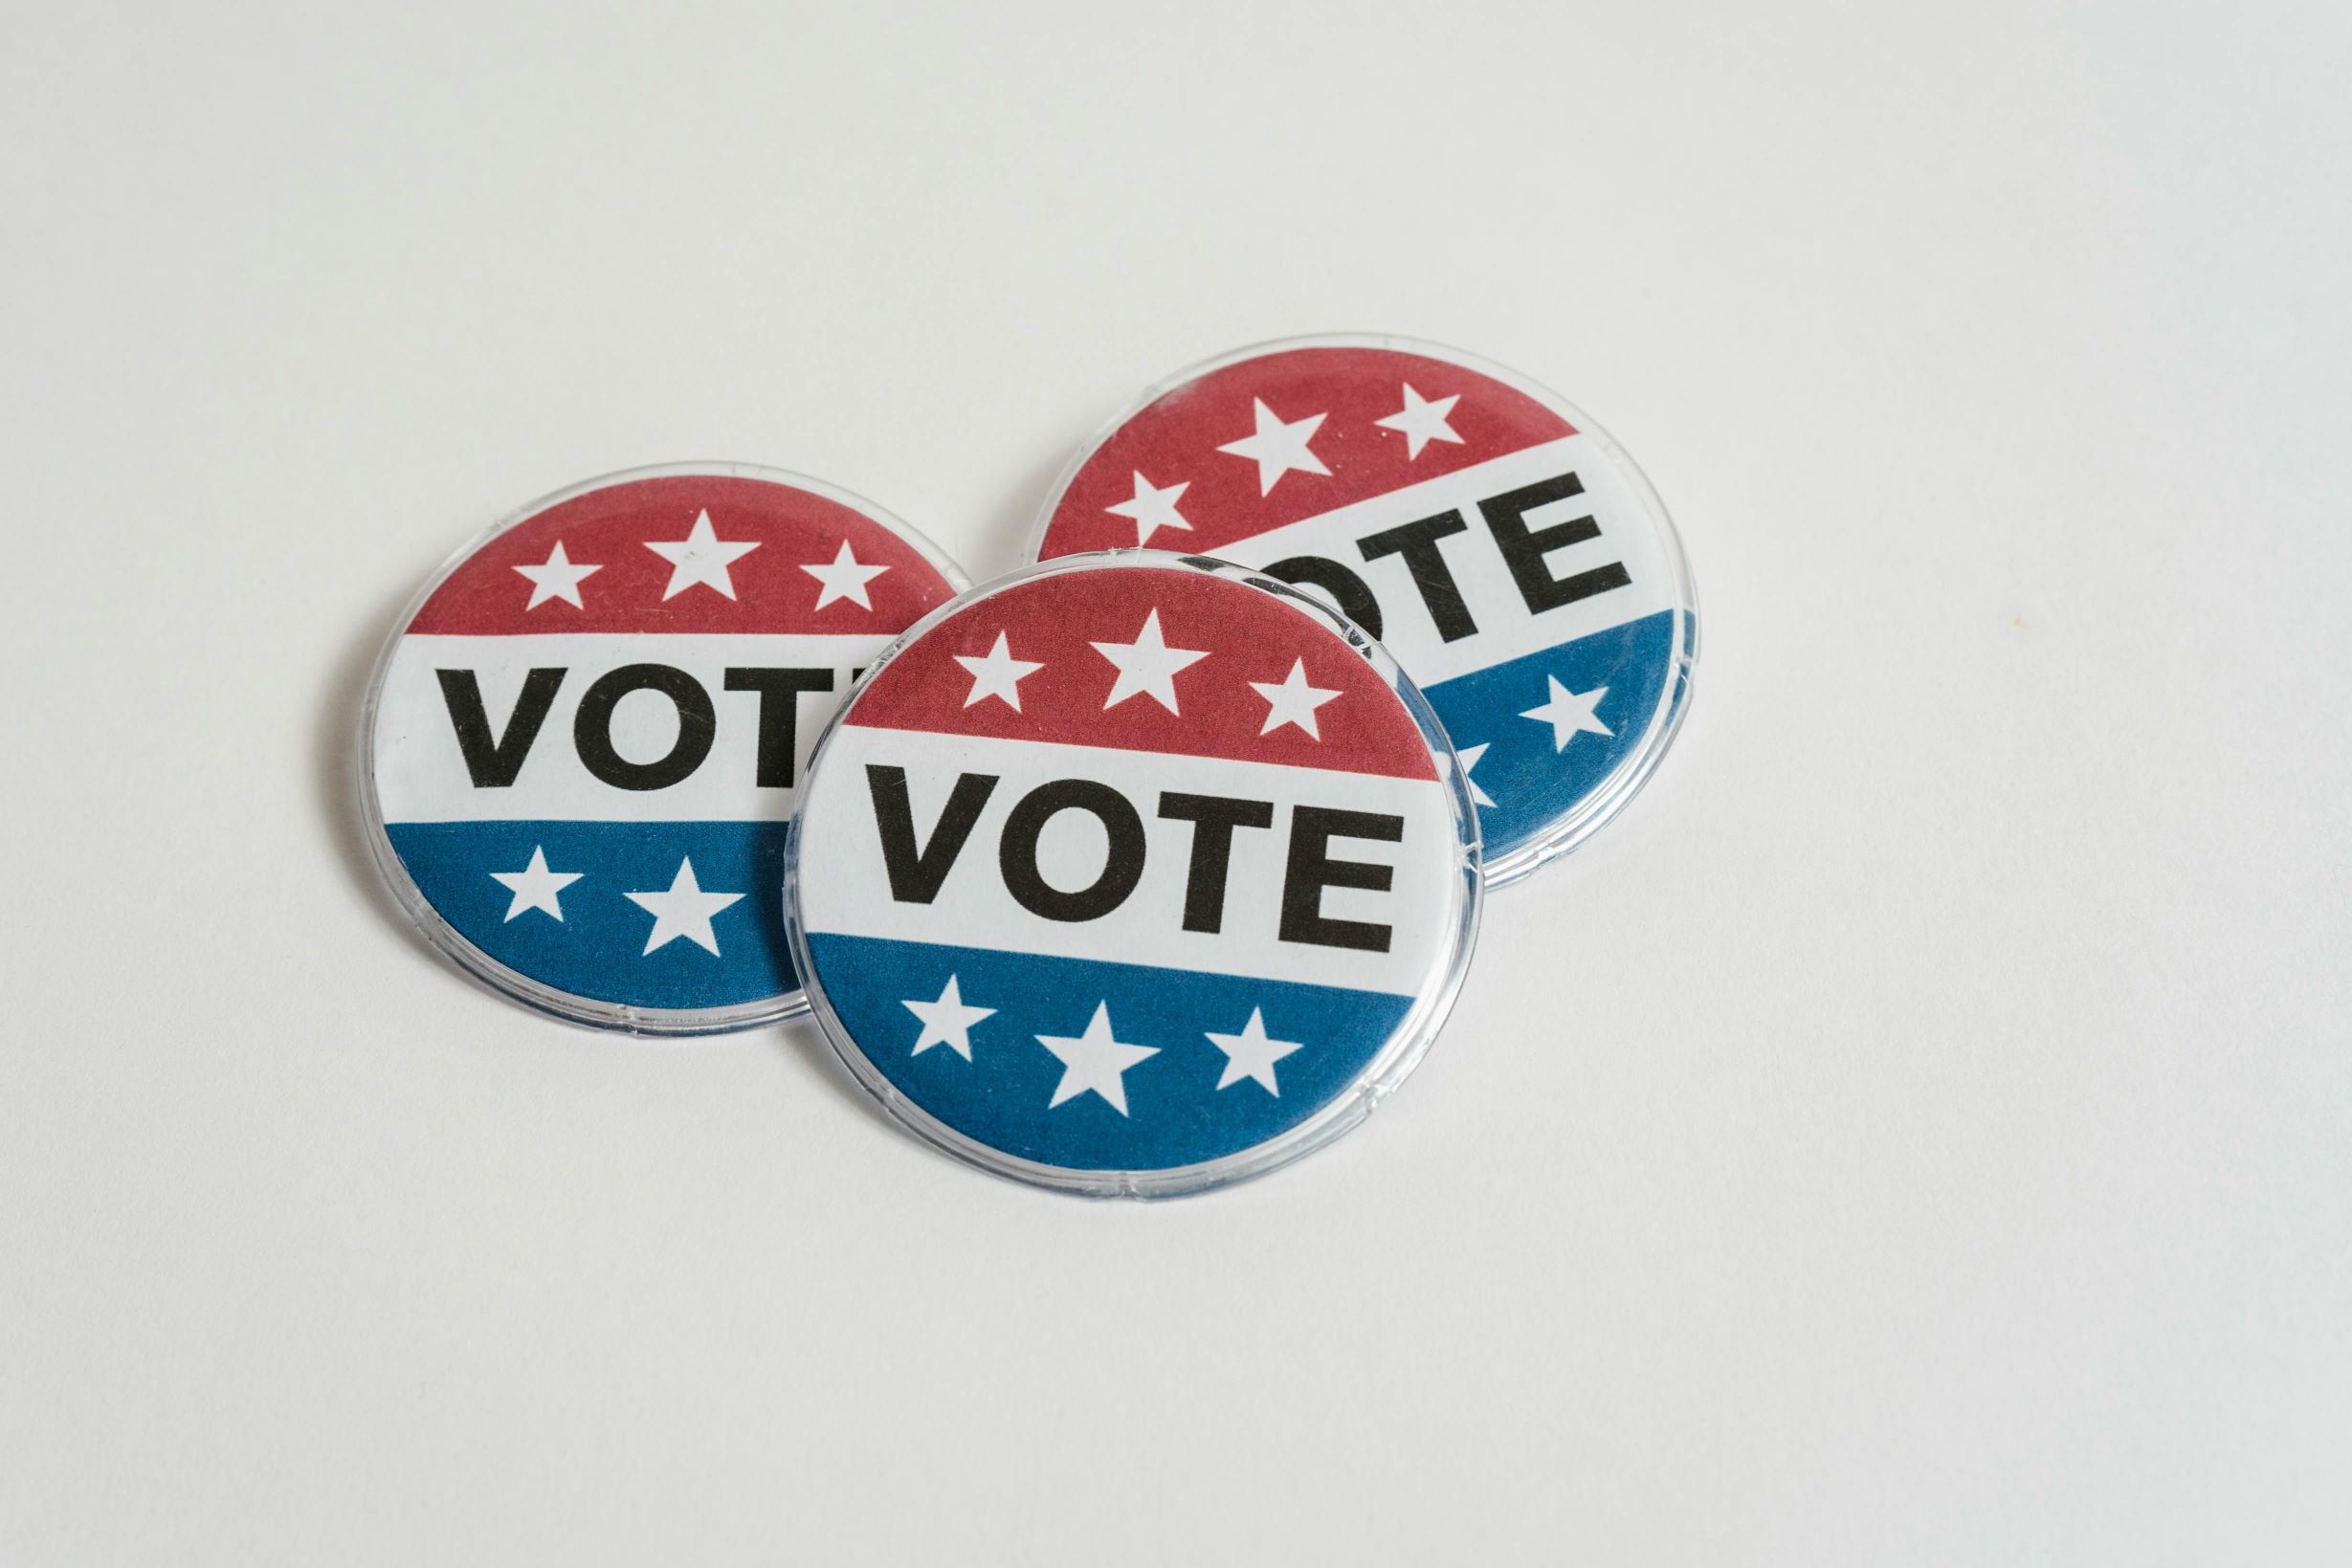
583	746
1132	874
1506	551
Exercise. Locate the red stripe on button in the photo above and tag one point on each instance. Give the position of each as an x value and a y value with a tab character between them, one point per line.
610	528
1177	438
1245	634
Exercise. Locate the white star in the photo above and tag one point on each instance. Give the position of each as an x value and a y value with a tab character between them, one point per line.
1249	1054
1422	421
1470	756
1094	1061
683	910
700	557
1277	448
1147	665
948	1022
845	577
556	578
1569	712
1292	702
999	675
535	886
1153	509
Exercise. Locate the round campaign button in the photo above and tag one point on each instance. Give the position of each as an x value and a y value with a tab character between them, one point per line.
1504	549
1131	875
581	748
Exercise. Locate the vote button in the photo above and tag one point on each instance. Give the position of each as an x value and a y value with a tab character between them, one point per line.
581	746
1132	874
1504	549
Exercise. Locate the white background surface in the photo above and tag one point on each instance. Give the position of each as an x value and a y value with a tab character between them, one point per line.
1916	1132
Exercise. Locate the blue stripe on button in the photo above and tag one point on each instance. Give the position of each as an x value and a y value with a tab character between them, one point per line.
1176	1114
1534	786
597	950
